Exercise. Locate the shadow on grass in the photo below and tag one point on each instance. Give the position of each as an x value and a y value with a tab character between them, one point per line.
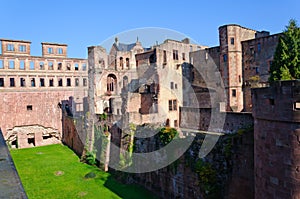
126	191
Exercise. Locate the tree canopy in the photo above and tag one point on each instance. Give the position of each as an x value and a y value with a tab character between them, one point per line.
286	63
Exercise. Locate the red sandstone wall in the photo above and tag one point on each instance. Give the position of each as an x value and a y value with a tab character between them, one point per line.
45	110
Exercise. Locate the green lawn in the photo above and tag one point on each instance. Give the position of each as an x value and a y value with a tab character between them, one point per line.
55	172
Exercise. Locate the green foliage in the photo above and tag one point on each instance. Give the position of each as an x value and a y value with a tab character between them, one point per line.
207	176
37	173
90	158
103	117
167	134
286	63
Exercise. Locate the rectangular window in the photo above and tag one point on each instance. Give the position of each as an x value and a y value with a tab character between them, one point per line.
76	65
175	54
233	93
60	51
60	82
29	107
59	66
22	64
32	82
68	81
12	82
51	82
183	56
11	64
76	82
84	82
42	66
172	85
1	64
42	82
165	56
225	57
232	41
31	65
22	48
258	47
84	66
22	82
172	105
50	50
50	65
175	86
1	82
68	66
10	47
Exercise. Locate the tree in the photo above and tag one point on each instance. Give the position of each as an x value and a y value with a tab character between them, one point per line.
286	63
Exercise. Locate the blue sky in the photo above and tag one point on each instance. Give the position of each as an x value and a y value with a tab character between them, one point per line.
85	23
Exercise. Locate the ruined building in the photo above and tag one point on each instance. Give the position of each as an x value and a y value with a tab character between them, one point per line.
32	89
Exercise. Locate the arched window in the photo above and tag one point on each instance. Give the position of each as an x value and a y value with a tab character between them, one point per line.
127	63
111	82
121	63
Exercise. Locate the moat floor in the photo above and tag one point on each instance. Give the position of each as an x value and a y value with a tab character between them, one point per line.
55	172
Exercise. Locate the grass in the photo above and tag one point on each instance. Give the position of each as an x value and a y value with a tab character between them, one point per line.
54	171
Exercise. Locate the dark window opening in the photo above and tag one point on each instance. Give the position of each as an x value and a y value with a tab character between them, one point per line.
121	63
29	107
167	122
42	66
127	63
1	82
32	82
258	47
232	41
76	66
165	56
175	123
233	93
59	66
60	82
51	82
172	105
172	85
31	141
225	57
68	81
183	56
12	82
84	82
68	66
272	102
42	82
175	54
22	82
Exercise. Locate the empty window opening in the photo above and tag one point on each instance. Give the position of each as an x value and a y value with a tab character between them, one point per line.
172	105
31	65
51	82
1	82
32	82
240	80
22	64
12	82
42	82
165	56
42	66
59	66
29	107
127	63
232	41
22	48
76	82
172	85
31	141
111	82
60	51
68	81
76	66
183	56
68	66
225	57
22	82
233	93
272	102
50	50
10	47
167	122
1	64
84	66
11	64
50	65
175	54
175	86
121	63
84	82
175	123
60	82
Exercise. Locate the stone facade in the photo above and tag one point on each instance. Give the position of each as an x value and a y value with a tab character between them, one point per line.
276	140
32	89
